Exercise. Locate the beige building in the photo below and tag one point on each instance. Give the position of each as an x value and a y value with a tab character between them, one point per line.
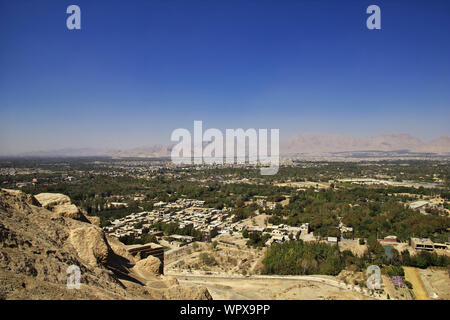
422	244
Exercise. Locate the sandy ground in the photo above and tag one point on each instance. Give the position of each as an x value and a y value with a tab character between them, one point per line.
396	293
258	220
268	289
412	275
354	247
436	282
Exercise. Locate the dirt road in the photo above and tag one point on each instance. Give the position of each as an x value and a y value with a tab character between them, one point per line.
275	288
323	281
412	275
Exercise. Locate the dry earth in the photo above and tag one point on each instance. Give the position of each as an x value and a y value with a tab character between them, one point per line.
436	282
272	289
39	241
412	275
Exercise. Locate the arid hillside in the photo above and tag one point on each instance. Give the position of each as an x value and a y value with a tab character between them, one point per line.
40	237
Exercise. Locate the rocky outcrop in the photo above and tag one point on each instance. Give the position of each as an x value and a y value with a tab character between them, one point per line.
39	241
60	204
169	288
15	200
90	243
93	220
191	293
120	249
148	267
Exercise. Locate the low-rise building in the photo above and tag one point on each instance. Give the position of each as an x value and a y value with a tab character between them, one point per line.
440	246
332	240
422	244
389	239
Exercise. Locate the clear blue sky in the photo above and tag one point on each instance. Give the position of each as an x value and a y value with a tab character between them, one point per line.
139	69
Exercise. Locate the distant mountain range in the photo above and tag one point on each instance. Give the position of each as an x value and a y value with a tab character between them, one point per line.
301	144
155	151
311	143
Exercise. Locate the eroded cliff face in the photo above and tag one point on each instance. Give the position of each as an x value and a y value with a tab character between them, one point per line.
40	237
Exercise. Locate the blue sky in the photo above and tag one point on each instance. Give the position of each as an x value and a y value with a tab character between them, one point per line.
139	69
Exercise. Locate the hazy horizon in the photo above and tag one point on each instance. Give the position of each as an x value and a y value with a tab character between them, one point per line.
103	150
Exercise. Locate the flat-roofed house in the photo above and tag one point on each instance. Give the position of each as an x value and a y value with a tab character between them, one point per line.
418	205
332	240
389	239
440	246
422	244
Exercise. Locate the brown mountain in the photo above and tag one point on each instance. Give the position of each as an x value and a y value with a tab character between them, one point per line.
440	145
311	143
155	151
307	143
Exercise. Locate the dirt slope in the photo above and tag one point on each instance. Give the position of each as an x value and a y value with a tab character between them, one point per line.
38	244
412	275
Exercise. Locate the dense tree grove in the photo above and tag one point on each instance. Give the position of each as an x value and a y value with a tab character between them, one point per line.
302	258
